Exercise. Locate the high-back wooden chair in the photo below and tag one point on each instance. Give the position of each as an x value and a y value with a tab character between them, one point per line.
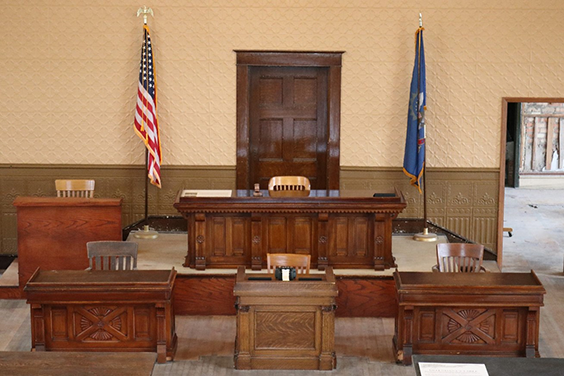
112	255
289	186
459	258
75	188
300	262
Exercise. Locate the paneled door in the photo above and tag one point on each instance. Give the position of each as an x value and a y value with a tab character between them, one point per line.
288	116
288	124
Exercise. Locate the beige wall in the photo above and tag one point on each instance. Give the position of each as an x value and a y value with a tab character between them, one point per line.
68	73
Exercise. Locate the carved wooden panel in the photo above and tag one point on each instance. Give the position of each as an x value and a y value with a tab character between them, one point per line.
286	330
349	238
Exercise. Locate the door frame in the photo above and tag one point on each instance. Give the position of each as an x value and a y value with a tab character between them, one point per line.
501	201
323	59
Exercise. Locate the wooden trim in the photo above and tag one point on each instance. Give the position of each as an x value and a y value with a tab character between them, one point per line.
331	60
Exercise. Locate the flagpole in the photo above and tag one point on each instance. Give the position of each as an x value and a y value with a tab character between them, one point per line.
147	232
424	236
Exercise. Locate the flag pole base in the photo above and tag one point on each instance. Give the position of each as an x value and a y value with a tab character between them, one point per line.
425	236
146	233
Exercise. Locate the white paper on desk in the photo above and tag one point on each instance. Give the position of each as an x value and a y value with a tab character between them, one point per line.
452	369
207	193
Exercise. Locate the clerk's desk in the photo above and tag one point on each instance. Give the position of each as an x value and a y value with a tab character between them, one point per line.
339	228
285	325
103	310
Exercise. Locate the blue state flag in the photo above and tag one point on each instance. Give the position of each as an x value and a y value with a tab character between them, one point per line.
414	157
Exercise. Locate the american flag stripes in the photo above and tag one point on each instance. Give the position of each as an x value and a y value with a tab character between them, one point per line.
146	123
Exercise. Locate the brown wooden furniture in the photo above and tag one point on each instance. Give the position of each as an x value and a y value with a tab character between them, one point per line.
342	229
75	188
288	116
285	325
112	255
493	314
53	231
459	258
300	262
289	186
49	363
103	310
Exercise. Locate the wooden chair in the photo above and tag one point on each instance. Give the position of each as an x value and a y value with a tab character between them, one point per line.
459	258
289	186
75	188
112	255
300	262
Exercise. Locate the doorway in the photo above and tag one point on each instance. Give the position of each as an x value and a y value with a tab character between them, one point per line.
288	117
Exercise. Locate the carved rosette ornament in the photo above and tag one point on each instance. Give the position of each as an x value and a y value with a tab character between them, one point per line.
200	239
323	239
379	240
256	239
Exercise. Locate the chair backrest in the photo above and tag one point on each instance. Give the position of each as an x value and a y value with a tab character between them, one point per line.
300	262
289	186
112	255
75	188
460	257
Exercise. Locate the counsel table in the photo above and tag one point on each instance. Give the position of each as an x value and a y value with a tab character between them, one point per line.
495	314
285	325
342	229
101	310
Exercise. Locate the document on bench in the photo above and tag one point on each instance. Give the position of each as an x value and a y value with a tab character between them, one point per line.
207	193
452	369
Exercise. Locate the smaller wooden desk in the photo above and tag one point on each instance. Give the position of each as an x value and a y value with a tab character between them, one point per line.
47	363
285	325
494	314
102	310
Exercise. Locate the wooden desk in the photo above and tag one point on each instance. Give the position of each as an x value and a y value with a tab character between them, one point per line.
101	310
494	314
53	231
47	363
285	325
342	229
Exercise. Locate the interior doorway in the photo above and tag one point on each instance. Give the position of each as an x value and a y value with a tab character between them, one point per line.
288	117
525	148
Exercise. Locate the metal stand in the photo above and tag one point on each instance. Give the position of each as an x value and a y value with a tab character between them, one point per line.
146	233
425	236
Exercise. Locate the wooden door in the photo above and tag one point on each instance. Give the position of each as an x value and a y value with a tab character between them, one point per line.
288	124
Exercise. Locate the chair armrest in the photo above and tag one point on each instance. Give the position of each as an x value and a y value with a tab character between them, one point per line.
435	268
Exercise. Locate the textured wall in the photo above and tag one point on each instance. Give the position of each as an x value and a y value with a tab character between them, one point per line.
69	74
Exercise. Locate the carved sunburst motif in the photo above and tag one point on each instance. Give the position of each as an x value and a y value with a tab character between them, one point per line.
101	334
468	336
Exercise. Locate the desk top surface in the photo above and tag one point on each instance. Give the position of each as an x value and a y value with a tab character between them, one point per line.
425	280
498	366
63	363
22	201
99	279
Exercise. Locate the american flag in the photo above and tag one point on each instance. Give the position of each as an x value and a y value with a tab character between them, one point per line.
146	123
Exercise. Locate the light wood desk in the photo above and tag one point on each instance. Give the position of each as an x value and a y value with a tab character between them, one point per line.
285	325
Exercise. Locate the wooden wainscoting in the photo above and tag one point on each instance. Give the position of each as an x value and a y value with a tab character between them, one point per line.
463	200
